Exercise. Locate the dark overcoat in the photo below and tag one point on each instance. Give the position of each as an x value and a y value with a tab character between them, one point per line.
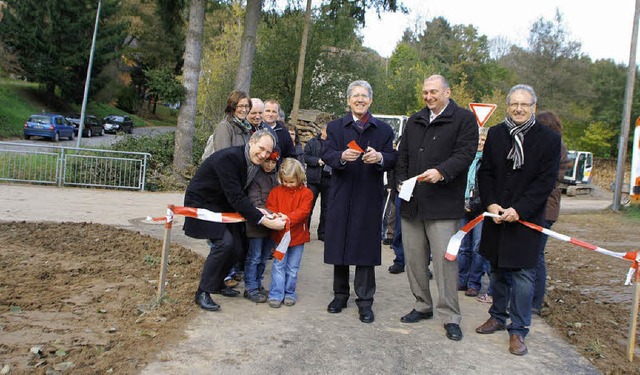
218	186
513	245
356	193
448	144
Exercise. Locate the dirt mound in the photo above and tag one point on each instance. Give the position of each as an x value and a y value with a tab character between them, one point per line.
587	301
81	298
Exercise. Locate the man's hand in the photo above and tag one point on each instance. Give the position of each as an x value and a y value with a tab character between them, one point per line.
371	156
496	209
430	175
320	162
350	155
510	215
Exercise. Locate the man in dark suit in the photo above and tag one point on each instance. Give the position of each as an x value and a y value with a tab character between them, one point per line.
219	186
518	171
352	232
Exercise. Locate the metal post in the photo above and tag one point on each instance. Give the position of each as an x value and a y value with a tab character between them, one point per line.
86	82
626	112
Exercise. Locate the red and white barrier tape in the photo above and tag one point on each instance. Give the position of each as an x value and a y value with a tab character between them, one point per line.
456	240
283	246
200	214
222	217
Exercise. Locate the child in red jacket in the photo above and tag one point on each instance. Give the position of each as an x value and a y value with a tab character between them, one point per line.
291	199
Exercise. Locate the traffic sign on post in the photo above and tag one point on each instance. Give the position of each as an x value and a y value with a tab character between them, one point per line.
482	111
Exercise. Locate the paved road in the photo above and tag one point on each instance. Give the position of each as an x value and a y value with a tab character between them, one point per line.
253	338
97	141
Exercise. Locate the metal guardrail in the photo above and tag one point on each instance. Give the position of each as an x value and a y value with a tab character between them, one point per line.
72	166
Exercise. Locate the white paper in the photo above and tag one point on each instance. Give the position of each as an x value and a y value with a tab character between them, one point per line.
406	191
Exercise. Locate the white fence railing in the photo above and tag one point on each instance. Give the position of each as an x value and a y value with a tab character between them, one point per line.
72	166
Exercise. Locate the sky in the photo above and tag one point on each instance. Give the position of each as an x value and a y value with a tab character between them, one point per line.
604	30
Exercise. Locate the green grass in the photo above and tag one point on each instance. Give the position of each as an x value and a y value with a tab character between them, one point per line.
17	106
633	211
19	100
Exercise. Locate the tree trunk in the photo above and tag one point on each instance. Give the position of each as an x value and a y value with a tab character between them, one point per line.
182	157
248	46
300	72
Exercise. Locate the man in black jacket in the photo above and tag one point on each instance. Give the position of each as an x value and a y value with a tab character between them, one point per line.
438	145
219	186
318	175
519	170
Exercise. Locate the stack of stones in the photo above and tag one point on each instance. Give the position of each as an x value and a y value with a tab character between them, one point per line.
309	121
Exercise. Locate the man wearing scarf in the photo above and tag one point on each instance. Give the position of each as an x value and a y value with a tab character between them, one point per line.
359	148
518	172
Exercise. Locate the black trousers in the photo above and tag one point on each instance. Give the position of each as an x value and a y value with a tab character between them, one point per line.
224	253
321	189
364	283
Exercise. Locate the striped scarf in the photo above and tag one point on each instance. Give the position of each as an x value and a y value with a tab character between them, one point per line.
517	133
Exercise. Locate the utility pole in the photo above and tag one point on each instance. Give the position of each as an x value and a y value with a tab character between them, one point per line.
626	112
87	81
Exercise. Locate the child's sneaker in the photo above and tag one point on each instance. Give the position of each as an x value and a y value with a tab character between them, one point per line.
288	301
274	303
485	298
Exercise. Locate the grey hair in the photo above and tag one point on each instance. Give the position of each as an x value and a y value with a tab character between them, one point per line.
255	137
363	84
257	101
523	87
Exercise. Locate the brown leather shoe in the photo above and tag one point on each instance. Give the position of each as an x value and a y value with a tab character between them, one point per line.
490	326
516	345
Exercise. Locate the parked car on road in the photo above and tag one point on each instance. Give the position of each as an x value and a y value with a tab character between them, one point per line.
92	125
48	125
117	123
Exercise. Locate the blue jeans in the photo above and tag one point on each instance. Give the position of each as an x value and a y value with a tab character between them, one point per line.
396	245
541	271
284	274
257	257
471	265
513	288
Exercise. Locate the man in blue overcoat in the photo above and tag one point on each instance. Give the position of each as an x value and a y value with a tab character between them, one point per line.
354	215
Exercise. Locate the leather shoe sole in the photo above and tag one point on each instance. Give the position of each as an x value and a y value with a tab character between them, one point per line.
416	316
336	306
453	331
366	315
227	292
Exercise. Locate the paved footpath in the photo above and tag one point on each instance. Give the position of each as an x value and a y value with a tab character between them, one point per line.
248	338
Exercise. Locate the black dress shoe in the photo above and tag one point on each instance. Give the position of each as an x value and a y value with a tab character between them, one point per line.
336	305
416	316
227	292
453	331
203	299
396	268
366	314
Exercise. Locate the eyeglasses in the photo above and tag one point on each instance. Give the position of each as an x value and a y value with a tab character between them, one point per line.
360	96
523	105
243	106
